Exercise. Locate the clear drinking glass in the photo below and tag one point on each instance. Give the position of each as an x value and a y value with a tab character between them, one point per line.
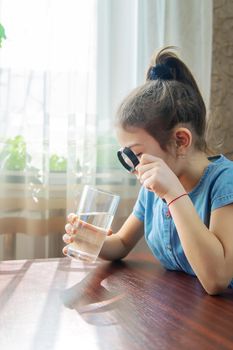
95	215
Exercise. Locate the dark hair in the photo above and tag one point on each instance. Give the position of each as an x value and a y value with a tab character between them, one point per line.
169	96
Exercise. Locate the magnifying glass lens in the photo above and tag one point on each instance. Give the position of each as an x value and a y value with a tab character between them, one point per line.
128	159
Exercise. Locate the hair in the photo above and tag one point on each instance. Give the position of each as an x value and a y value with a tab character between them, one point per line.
170	96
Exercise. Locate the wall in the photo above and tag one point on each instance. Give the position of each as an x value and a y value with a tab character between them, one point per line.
220	134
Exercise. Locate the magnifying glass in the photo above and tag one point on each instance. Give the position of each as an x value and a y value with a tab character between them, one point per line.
128	159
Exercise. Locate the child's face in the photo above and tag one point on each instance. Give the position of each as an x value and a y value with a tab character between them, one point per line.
139	141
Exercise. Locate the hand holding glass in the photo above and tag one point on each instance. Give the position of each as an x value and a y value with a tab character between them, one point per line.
92	223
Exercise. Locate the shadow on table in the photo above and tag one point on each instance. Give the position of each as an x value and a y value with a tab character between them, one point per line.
102	293
17	276
93	298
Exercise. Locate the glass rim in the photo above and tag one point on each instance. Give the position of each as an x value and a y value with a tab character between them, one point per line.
96	189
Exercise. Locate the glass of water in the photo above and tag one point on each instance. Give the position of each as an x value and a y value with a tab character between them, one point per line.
95	215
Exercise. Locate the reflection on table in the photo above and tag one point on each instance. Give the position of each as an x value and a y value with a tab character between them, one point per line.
131	304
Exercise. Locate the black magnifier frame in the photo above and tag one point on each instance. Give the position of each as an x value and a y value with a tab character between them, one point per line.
132	157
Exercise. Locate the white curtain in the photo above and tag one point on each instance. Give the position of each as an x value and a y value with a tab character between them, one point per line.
64	68
131	30
47	118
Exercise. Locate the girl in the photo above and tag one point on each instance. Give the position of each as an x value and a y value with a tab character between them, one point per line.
186	200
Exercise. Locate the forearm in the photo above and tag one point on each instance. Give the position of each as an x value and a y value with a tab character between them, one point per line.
202	248
118	245
113	248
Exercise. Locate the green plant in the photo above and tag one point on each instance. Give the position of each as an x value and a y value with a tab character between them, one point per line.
13	155
2	34
57	163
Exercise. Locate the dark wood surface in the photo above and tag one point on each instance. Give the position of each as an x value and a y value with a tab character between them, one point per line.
134	304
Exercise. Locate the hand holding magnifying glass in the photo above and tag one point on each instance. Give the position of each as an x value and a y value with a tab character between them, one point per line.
128	159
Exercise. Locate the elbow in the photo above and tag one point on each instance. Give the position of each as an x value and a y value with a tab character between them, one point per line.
214	286
214	290
114	256
111	258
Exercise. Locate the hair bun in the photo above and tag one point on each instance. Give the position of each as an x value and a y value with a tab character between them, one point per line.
160	71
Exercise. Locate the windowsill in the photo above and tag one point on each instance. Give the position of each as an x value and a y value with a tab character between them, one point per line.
112	177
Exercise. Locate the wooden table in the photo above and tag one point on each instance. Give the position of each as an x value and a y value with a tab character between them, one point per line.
134	304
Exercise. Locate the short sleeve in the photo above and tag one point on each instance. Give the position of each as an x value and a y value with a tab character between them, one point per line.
222	191
139	208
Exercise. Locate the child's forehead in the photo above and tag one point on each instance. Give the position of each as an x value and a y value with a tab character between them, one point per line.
132	132
132	137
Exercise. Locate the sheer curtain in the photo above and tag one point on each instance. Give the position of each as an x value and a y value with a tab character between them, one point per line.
47	117
130	31
64	68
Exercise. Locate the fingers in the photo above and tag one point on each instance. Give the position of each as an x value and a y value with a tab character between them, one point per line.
71	229
146	171
64	251
148	177
147	174
147	158
67	238
150	183
68	228
71	218
141	169
109	233
146	162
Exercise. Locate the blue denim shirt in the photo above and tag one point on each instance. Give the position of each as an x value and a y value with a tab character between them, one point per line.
214	190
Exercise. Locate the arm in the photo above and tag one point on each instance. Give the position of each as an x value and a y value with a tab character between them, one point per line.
118	245
209	251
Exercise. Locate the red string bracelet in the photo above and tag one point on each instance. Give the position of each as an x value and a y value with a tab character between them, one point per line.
184	194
